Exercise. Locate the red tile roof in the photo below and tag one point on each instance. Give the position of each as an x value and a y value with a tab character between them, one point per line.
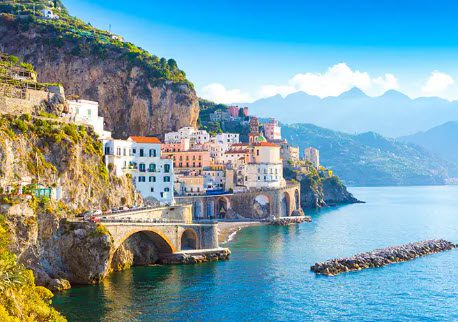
266	144
145	139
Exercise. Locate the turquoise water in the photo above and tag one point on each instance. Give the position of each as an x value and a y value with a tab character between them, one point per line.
268	276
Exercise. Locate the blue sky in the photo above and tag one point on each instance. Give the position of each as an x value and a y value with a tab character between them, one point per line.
244	50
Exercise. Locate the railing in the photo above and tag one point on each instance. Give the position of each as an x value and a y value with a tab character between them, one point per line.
143	221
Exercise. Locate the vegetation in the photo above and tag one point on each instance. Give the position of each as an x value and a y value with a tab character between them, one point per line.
368	158
20	298
84	40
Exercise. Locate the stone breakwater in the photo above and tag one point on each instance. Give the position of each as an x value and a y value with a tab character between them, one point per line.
286	221
194	257
382	257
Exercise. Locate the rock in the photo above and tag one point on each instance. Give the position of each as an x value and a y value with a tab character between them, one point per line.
286	221
196	257
58	285
382	257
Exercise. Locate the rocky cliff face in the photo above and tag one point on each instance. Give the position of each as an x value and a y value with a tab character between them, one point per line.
66	158
134	100
327	192
318	191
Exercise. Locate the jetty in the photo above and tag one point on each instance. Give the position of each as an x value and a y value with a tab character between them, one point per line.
382	257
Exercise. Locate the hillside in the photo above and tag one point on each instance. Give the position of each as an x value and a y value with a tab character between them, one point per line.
138	93
355	112
441	140
368	158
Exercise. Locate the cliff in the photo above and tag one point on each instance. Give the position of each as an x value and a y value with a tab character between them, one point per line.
320	190
138	93
20	298
39	153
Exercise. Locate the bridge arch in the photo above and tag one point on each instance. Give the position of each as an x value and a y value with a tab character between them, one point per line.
285	205
222	205
262	205
189	239
160	240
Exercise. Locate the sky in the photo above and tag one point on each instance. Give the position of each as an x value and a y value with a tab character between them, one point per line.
241	51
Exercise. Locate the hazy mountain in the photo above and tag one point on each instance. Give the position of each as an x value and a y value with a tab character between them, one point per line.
441	140
392	114
369	158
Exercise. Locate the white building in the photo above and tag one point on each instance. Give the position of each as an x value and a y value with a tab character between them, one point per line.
272	130
87	112
265	167
141	157
49	14
195	136
312	155
214	177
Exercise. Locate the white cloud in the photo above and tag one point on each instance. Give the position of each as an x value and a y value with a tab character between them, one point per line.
336	80
218	93
437	84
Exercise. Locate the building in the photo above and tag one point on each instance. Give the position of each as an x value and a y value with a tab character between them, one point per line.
220	115
188	161
87	112
196	137
312	155
140	157
234	111
265	167
189	184
288	153
214	178
272	130
49	14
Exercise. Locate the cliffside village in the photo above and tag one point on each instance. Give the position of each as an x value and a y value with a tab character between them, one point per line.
191	162
188	162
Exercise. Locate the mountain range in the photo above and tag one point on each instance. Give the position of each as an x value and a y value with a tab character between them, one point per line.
369	159
392	115
441	140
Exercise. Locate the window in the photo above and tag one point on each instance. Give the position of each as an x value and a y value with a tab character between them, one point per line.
118	151
152	189
142	153
124	152
162	195
142	167
257	152
166	168
259	178
141	179
166	189
107	150
152	153
166	179
152	179
152	167
134	151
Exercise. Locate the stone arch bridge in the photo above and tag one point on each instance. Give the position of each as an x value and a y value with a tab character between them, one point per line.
169	230
252	204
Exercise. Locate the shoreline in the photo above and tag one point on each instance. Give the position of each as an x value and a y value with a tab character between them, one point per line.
228	230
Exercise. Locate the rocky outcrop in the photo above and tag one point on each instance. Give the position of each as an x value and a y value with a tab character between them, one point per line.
382	257
197	256
324	192
286	221
134	100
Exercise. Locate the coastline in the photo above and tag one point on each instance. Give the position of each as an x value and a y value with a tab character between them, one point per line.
228	230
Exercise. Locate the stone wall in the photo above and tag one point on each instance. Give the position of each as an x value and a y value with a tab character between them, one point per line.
31	100
179	213
253	204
